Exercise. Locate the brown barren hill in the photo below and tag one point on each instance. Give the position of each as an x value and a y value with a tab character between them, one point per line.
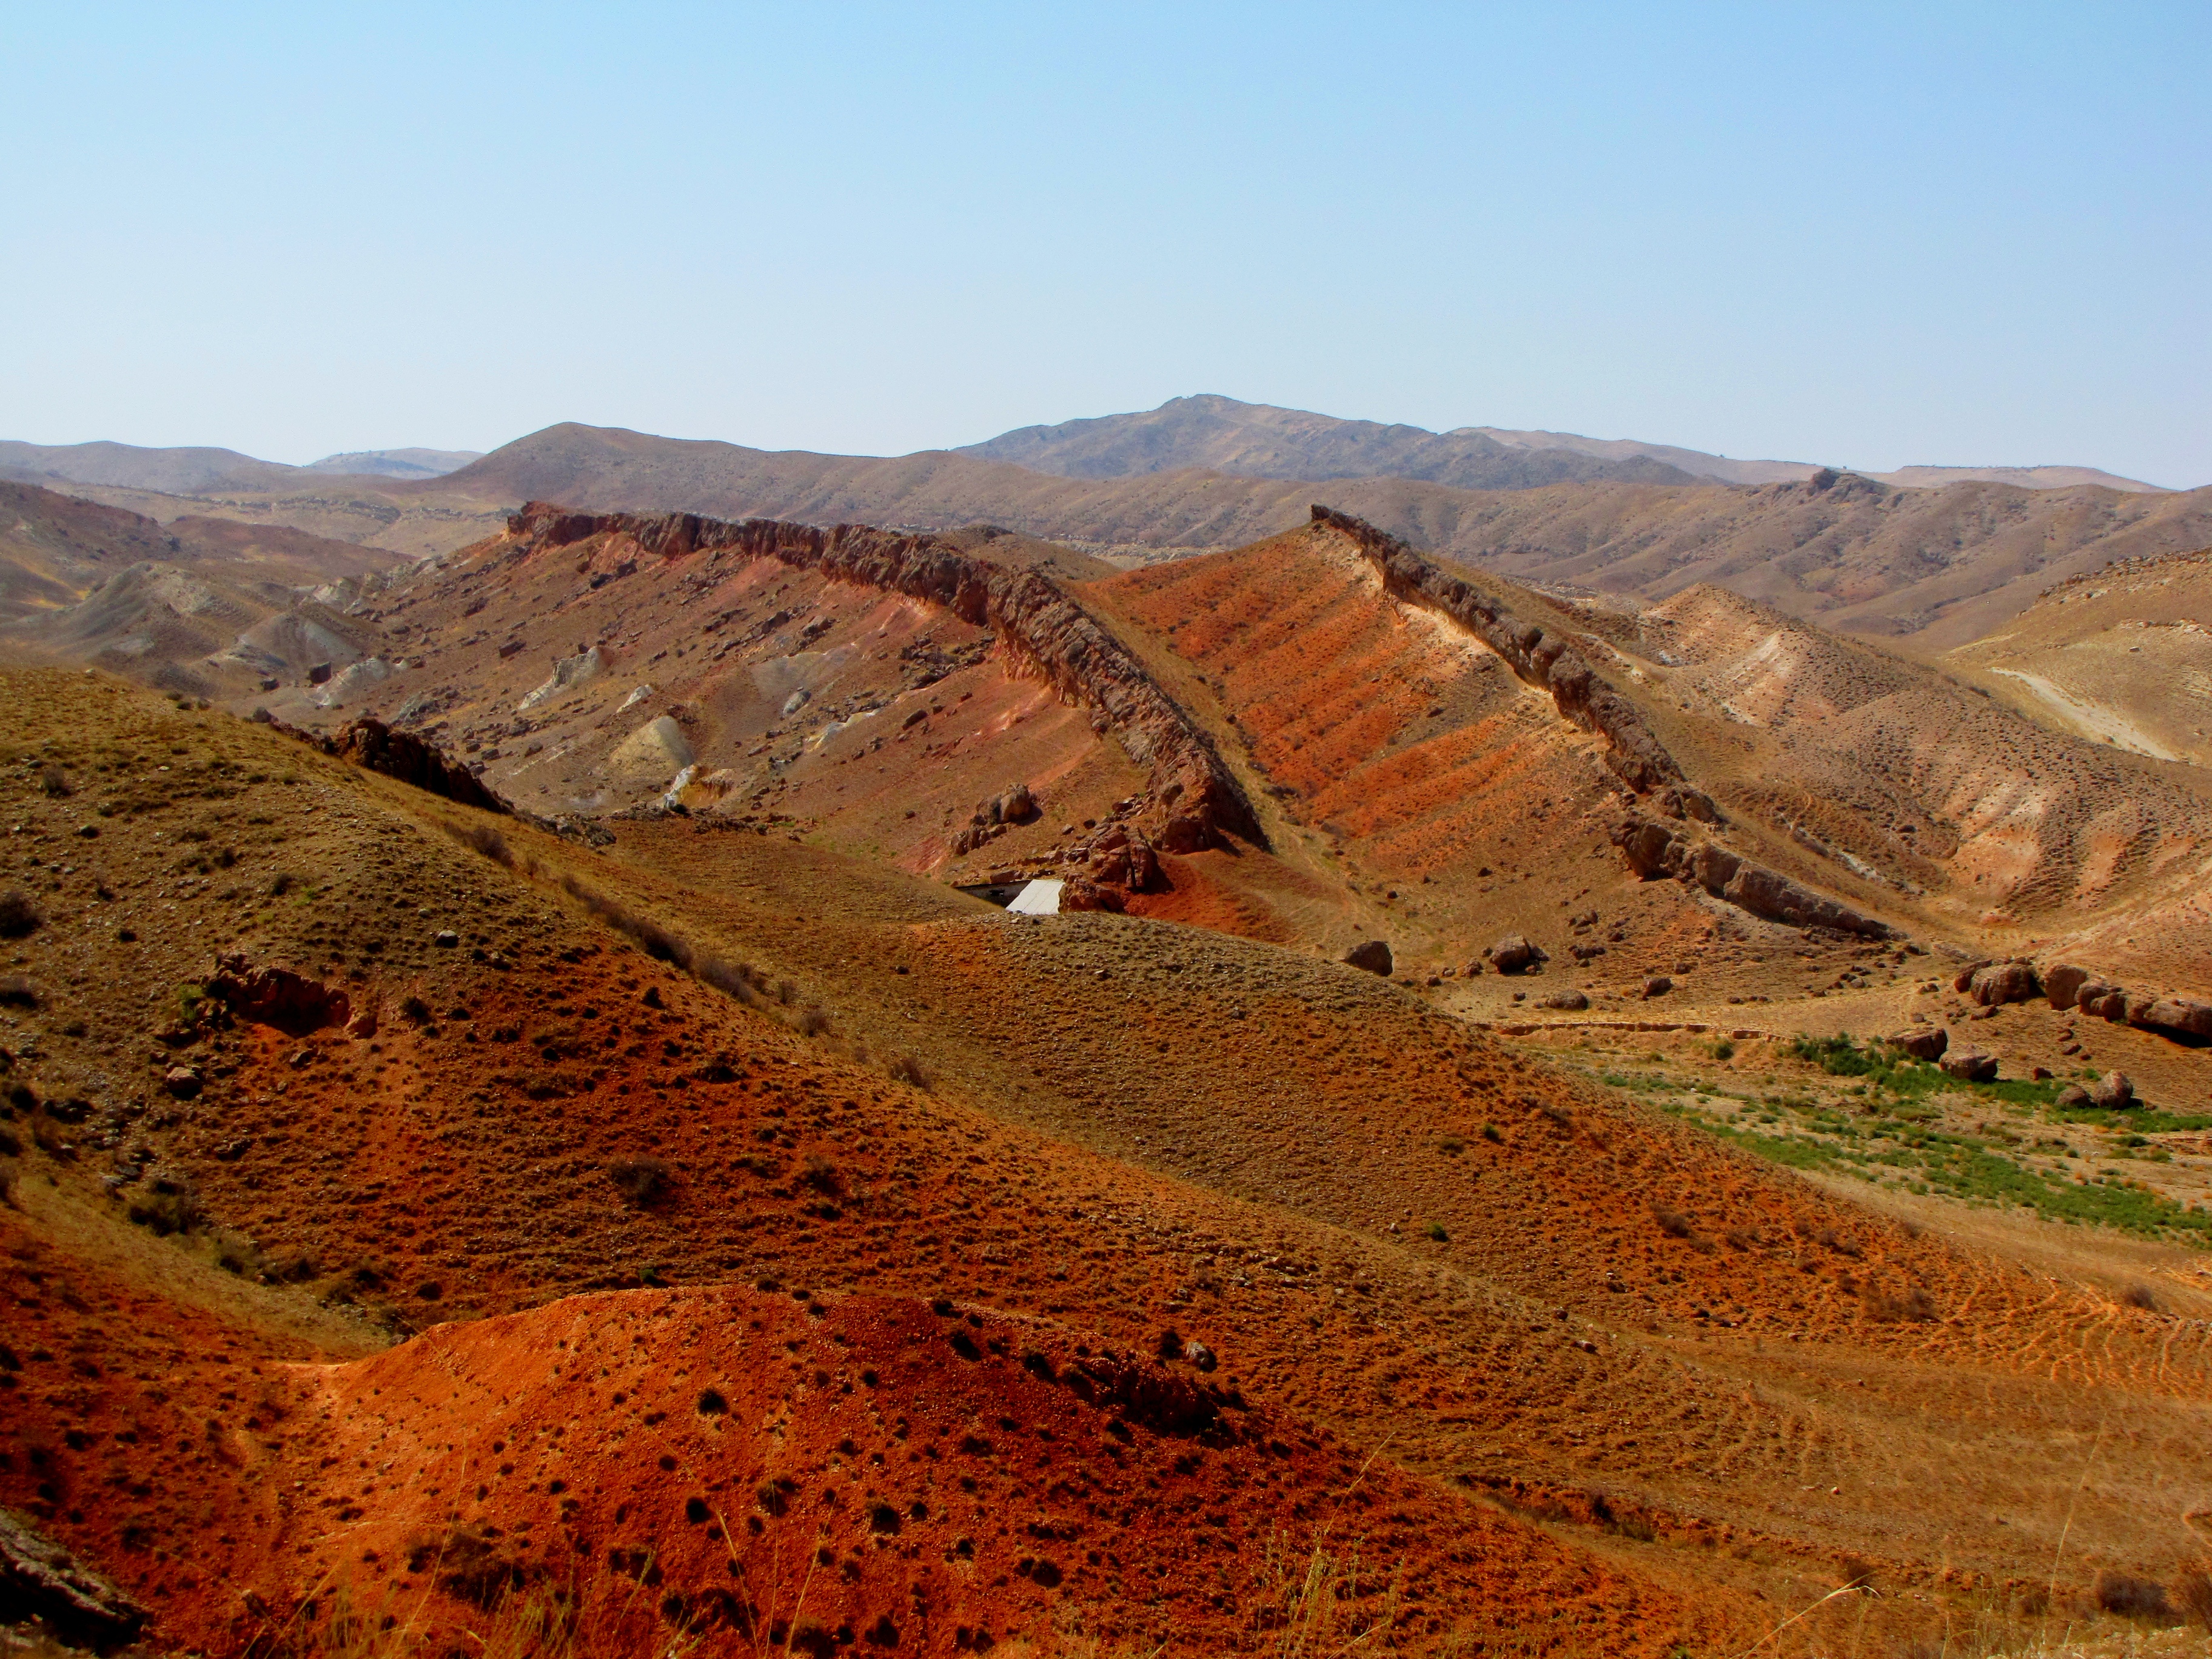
1935	565
304	1059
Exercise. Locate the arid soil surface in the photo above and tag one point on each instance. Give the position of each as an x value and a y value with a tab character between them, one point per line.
673	1211
723	1234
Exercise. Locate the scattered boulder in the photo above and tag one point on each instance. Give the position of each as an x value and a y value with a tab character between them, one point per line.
2062	981
1927	1043
1516	954
2074	1098
1374	956
1999	983
1969	1065
277	996
1081	893
1963	981
2112	1092
1657	985
1565	1000
1015	806
2102	999
182	1081
1198	1354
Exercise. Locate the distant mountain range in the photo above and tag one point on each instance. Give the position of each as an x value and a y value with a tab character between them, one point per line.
187	471
1206	433
1259	440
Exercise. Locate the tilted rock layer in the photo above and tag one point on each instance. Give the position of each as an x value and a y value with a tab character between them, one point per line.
1200	800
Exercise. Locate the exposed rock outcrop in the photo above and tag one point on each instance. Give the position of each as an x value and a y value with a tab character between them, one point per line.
1195	800
1655	849
373	744
277	996
1543	660
40	1580
2114	1091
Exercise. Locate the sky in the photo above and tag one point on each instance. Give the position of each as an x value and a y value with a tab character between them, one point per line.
1865	235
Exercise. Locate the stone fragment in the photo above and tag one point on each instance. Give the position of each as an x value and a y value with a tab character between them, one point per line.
1969	1065
1516	954
1998	983
2112	1092
1927	1043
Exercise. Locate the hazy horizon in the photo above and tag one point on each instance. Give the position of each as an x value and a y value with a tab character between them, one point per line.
1879	240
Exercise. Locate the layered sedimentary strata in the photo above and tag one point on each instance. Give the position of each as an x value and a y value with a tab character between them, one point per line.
1198	800
1544	660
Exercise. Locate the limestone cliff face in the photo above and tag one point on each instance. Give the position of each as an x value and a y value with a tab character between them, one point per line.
1543	660
1196	799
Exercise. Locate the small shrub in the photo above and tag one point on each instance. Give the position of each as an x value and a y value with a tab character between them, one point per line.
1435	1230
55	782
712	1404
415	1009
812	1022
905	1068
820	1173
2132	1597
639	1180
1673	1223
1914	1305
19	916
1724	1049
2140	1296
1451	1146
2192	1592
1490	1132
164	1213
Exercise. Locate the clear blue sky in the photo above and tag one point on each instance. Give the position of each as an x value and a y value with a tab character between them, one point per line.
1865	234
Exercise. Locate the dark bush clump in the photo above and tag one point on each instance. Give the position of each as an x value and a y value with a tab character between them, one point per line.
2132	1597
2140	1296
641	1181
1673	1223
19	917
820	1175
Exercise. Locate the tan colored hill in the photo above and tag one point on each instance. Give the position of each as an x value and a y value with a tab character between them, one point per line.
1936	567
713	1237
2028	477
2121	656
1259	440
55	549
